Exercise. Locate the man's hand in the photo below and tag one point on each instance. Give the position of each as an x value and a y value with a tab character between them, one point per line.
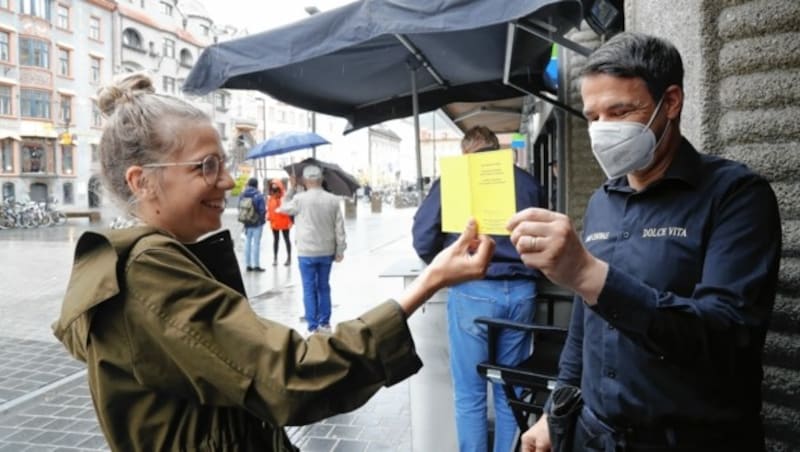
547	241
537	438
338	257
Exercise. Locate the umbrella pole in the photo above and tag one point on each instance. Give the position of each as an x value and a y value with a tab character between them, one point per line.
415	108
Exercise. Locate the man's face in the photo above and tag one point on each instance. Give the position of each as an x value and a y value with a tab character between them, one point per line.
608	98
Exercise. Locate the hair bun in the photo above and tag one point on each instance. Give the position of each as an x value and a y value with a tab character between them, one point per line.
123	90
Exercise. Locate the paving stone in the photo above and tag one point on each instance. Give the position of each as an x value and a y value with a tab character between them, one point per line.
73	439
351	446
47	438
318	444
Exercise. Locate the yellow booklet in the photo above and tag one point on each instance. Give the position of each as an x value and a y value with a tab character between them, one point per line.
479	185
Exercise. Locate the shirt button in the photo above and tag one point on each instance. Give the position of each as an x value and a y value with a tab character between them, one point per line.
626	234
614	314
611	374
610	326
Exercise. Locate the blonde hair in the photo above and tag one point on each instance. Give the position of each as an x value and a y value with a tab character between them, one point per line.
479	137
139	129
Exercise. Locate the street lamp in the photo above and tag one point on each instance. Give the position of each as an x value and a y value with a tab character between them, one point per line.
264	127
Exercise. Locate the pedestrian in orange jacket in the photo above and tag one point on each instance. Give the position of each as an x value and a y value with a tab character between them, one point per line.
279	222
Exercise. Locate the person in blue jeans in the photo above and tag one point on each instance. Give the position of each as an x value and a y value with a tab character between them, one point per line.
320	241
508	292
252	242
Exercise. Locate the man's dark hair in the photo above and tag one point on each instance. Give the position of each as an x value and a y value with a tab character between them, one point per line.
654	60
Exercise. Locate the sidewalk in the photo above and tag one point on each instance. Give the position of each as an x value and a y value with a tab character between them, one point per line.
44	400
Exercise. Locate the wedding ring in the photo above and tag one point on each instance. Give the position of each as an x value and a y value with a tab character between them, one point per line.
532	242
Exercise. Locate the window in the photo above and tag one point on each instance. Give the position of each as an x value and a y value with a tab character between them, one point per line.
66	159
95	151
169	84
34	158
69	194
63	62
34	103
94	28
38	8
97	117
221	101
221	128
131	38
94	70
186	57
62	16
169	48
166	8
205	30
34	52
8	155
5	101
8	191
65	110
5	54
4	4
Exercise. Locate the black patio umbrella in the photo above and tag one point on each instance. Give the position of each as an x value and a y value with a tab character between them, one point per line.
334	178
376	60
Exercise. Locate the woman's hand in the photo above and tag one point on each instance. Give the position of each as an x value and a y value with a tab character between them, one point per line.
467	258
537	438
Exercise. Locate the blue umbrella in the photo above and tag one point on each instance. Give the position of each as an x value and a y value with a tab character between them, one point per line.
286	142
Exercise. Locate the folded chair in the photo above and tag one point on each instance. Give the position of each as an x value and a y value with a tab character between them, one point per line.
528	384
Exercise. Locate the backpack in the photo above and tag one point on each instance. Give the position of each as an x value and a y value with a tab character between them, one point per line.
248	215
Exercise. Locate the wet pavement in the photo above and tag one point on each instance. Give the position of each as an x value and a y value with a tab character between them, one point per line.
44	400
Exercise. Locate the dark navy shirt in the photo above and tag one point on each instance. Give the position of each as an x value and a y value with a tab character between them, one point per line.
506	263
677	334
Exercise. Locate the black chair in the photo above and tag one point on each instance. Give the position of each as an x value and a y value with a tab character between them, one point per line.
535	377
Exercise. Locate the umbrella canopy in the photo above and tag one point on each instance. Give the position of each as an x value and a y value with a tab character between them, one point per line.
334	178
354	61
286	142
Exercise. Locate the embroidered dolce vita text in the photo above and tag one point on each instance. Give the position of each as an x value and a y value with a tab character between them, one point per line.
670	231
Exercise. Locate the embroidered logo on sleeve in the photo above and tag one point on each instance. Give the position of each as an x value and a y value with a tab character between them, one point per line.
597	236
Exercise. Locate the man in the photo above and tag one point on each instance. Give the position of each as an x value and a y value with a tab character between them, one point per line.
252	212
320	239
675	273
507	292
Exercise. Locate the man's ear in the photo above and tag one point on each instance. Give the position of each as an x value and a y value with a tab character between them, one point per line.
673	98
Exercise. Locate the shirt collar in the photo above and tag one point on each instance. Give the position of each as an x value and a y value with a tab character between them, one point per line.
684	167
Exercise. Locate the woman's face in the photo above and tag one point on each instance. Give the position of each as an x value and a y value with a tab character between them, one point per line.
185	203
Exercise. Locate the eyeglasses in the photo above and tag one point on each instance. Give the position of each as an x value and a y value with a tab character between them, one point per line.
210	165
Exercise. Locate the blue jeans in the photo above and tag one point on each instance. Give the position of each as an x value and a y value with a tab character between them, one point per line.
469	346
252	245
315	273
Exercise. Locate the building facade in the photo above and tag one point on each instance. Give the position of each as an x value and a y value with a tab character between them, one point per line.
54	55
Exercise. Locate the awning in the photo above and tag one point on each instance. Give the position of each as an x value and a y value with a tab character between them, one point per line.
355	61
9	134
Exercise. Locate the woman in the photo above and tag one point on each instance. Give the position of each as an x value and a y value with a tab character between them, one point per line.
177	359
279	222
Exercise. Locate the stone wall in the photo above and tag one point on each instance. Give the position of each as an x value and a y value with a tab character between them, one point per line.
742	84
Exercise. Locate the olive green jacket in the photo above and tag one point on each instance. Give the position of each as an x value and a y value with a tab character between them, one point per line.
178	361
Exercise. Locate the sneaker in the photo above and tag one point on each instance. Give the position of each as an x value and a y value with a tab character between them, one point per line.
249	268
275	263
258	269
287	263
324	329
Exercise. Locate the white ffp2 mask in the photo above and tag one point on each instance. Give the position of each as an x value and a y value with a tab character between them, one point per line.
621	147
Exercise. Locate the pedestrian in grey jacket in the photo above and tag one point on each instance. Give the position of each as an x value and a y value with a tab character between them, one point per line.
319	240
